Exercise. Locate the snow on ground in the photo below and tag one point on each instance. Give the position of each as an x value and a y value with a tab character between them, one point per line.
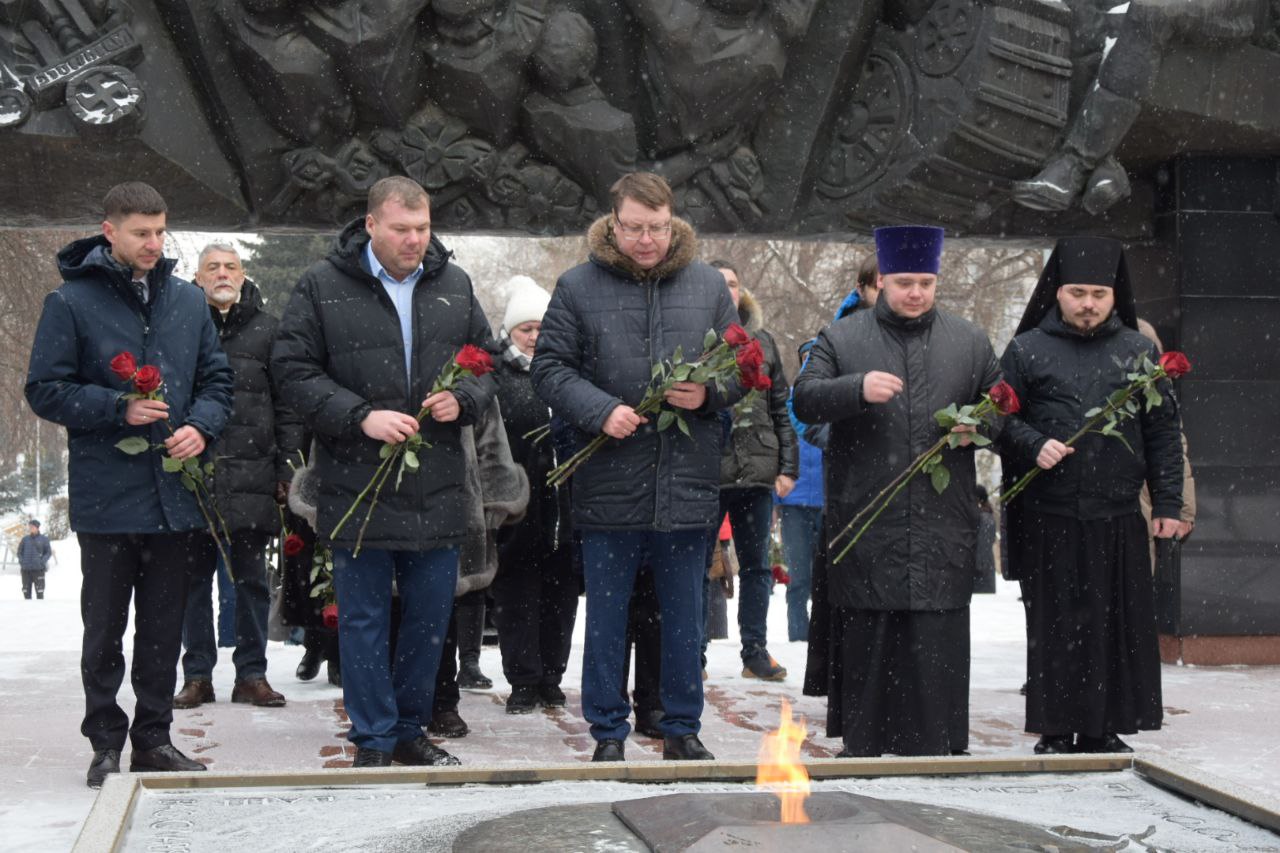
1219	719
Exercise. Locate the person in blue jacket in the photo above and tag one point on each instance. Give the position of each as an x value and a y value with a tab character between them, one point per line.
139	529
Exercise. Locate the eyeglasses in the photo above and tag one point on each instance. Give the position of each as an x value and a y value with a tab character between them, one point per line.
635	232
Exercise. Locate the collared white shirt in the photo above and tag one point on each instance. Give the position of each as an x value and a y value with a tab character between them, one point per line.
401	293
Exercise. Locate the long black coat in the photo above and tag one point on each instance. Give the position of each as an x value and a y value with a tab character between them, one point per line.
92	317
1059	375
261	436
919	554
339	354
546	524
607	325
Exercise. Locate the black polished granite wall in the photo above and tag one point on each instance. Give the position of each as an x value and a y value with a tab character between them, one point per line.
1210	283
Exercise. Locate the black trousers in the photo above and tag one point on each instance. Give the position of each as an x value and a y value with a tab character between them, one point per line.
151	569
33	578
535	606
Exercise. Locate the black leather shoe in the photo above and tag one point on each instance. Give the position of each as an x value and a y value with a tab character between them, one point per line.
421	752
367	756
1107	743
309	666
551	696
447	724
162	759
104	761
523	699
685	748
335	673
610	749
648	722
1054	745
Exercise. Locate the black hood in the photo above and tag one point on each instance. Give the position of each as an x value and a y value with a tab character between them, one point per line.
91	256
1082	260
348	251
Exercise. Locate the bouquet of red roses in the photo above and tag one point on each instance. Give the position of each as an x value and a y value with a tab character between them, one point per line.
148	384
735	356
1143	375
1000	400
403	456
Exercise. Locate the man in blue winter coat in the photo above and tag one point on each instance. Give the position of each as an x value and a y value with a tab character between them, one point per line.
139	529
647	495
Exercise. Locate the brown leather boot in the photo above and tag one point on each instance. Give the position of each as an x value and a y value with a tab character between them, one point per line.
256	691
194	693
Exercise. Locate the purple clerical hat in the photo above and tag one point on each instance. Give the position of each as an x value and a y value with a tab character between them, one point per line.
909	249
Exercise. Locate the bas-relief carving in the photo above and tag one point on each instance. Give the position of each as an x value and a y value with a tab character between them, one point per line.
519	114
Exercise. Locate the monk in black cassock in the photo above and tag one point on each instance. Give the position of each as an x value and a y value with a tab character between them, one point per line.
1076	534
903	592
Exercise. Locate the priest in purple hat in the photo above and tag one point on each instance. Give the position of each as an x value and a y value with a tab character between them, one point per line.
902	594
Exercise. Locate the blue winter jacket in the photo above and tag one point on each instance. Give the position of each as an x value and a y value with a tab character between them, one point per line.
92	317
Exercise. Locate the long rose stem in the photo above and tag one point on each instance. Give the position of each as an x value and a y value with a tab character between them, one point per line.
360	497
1089	425
373	502
901	481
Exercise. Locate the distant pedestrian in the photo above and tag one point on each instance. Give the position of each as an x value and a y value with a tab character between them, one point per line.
33	559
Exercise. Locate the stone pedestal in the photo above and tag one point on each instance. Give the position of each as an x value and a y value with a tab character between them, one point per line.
1210	283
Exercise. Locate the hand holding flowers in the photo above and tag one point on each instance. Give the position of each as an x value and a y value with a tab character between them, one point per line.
146	406
399	432
961	424
1142	376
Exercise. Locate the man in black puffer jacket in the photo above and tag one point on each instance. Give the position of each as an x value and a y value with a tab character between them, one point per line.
251	474
366	333
903	592
647	494
1077	534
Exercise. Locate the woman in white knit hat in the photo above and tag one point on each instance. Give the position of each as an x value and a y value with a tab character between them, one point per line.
536	590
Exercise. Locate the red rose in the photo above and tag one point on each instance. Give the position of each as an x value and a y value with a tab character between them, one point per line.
762	382
293	545
330	616
1005	398
124	365
780	575
1175	364
750	357
148	379
736	336
474	360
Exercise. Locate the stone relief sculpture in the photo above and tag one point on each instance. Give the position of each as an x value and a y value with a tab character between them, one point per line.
809	116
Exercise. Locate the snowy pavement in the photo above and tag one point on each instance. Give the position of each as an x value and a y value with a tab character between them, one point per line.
1222	719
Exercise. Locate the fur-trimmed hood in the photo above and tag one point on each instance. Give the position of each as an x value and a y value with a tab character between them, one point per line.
604	250
750	312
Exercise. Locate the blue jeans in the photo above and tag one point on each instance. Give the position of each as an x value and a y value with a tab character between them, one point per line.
390	701
751	515
247	551
611	559
801	527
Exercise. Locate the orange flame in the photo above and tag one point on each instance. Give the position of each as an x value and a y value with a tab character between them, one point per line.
780	769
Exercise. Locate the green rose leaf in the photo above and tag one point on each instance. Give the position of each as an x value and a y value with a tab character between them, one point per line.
133	445
940	477
386	450
187	482
979	440
709	339
411	460
170	465
684	426
665	420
